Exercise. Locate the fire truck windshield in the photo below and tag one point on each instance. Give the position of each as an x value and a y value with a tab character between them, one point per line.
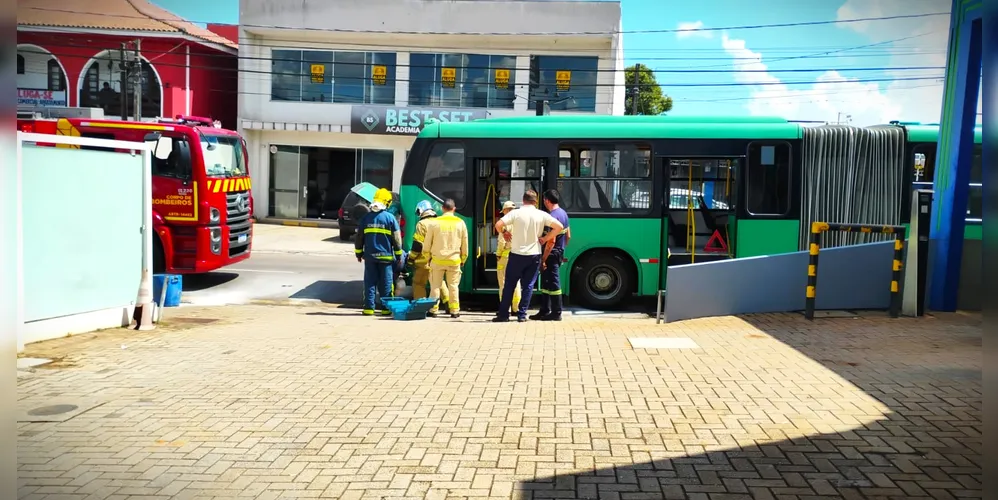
223	156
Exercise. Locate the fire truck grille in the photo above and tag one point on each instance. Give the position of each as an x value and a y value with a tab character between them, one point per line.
238	218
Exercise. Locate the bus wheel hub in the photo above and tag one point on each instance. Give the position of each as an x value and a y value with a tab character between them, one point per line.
603	280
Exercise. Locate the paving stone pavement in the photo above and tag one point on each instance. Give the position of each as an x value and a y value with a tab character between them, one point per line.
270	402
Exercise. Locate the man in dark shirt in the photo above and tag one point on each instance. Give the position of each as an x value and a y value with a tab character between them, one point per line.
554	253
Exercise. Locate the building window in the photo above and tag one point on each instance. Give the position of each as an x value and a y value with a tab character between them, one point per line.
20	64
444	176
462	80
767	179
57	80
566	83
338	77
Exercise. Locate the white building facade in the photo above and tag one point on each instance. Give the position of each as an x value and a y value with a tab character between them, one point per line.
333	93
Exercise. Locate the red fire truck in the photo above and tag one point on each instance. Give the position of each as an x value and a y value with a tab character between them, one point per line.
202	202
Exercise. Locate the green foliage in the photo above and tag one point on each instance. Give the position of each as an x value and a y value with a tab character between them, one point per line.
651	100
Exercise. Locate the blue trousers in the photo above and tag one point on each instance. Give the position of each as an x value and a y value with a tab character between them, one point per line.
377	279
522	268
551	283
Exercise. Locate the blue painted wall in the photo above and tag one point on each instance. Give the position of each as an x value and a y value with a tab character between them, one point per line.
82	219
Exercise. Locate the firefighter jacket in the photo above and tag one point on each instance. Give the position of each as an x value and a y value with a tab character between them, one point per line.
418	256
446	241
378	237
502	250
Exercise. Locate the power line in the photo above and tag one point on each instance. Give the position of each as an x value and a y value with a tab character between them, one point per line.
489	68
523	33
434	81
867	50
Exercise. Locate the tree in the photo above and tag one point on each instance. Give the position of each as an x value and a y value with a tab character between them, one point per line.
651	100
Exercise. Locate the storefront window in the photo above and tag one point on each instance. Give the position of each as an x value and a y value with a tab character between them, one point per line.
566	83
339	77
462	80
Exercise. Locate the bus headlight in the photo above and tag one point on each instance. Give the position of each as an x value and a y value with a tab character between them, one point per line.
214	215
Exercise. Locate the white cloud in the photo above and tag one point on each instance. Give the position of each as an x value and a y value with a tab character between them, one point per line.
821	101
833	94
692	29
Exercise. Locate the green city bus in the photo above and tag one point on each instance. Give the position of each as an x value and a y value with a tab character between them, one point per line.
646	192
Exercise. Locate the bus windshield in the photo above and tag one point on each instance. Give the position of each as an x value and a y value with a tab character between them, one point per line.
223	156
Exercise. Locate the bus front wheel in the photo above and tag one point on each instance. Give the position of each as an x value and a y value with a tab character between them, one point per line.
603	280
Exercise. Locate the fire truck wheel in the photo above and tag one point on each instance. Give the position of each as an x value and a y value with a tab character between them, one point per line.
158	259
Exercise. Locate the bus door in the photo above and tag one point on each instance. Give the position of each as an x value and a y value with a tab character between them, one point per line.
699	211
497	180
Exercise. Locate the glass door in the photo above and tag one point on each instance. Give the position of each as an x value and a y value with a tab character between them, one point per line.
288	194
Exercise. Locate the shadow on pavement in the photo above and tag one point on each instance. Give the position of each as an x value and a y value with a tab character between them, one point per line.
199	282
347	293
928	443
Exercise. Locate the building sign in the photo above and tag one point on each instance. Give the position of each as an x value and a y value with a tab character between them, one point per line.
318	73
389	120
448	77
563	80
35	97
379	74
502	79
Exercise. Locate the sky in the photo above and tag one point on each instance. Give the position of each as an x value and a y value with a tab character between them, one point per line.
860	73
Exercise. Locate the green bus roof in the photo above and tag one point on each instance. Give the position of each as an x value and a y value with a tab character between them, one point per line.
513	129
643	119
930	133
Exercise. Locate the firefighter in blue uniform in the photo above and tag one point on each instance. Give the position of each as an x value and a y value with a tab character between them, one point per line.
554	252
379	247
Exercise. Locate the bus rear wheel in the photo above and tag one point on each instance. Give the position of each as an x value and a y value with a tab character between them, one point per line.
603	280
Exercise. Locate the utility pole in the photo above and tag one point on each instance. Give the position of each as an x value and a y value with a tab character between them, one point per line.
634	90
137	90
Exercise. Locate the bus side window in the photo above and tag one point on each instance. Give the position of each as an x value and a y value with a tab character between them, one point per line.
172	158
767	179
445	173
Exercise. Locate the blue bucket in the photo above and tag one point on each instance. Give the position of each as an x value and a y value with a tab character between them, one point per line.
174	286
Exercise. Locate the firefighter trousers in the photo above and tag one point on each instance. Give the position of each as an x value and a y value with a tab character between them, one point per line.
551	284
377	280
449	276
501	275
421	282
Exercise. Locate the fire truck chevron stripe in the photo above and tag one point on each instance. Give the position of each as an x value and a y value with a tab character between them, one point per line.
229	185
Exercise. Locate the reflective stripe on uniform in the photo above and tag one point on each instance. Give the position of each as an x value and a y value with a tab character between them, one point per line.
368	312
443	262
388	258
358	251
398	252
417	237
376	230
550	292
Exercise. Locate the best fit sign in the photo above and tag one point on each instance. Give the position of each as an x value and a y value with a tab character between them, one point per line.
387	120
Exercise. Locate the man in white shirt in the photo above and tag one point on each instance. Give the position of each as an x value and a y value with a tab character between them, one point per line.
523	228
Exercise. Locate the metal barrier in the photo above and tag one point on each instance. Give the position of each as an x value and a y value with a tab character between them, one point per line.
818	228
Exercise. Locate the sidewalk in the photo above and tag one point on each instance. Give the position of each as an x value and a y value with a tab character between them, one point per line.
318	402
273	238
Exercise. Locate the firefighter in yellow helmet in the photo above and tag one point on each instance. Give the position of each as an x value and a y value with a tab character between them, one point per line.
447	243
419	259
502	257
379	246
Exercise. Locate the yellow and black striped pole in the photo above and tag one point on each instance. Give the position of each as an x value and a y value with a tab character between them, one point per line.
895	310
814	242
812	267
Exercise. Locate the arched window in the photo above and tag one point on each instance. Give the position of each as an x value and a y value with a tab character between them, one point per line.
103	87
57	80
20	64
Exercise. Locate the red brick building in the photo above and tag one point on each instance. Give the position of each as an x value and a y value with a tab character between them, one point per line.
69	53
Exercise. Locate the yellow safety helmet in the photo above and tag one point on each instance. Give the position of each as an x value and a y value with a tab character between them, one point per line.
383	196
